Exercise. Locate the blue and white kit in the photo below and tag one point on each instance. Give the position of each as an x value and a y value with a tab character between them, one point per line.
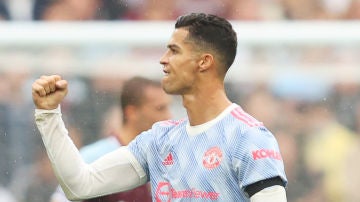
214	161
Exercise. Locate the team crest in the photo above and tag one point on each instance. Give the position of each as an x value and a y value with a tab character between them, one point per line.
212	158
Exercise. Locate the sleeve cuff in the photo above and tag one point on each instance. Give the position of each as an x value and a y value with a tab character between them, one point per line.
51	111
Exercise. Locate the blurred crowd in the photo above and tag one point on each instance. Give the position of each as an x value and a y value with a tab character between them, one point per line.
316	120
169	10
318	135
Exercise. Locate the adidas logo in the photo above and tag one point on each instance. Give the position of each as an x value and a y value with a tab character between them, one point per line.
168	160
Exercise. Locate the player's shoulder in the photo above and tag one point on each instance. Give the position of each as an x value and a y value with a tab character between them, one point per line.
168	124
247	127
159	130
241	117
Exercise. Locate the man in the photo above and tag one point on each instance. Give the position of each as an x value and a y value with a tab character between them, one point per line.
143	103
218	153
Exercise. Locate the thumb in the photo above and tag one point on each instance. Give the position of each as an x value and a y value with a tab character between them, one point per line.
62	84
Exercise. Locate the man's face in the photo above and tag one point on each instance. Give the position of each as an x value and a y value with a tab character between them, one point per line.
155	107
180	64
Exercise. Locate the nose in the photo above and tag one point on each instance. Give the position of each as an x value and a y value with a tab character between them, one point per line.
164	59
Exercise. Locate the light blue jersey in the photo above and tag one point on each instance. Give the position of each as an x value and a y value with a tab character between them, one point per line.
97	149
214	161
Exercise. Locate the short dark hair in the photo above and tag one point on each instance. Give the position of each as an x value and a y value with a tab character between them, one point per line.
133	91
211	31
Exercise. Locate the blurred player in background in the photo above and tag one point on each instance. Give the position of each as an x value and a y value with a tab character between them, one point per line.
143	102
217	153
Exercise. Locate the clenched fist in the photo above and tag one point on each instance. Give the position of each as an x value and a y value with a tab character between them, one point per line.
49	91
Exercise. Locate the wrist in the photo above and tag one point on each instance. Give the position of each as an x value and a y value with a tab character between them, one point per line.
47	111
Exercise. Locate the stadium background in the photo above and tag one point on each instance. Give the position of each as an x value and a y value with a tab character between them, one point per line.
297	70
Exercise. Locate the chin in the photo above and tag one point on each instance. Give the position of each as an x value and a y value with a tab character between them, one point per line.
170	90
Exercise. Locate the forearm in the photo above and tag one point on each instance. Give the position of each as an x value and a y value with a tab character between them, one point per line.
77	179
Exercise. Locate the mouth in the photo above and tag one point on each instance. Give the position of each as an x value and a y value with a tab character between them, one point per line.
166	72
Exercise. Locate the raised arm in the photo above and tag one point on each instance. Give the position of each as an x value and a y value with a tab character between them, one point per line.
114	172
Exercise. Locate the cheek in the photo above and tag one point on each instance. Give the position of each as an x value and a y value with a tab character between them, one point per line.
182	61
186	68
188	74
164	115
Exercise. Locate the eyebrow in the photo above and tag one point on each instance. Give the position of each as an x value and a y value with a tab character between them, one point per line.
173	46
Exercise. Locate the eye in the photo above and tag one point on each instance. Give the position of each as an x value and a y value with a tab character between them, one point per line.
173	51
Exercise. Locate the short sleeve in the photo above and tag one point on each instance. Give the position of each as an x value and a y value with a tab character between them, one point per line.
256	157
139	147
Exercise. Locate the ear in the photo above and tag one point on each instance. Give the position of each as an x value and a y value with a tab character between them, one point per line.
130	112
206	61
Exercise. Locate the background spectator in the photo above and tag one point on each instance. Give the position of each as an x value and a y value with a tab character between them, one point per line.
4	14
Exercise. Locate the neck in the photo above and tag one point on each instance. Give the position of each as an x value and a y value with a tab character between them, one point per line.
204	106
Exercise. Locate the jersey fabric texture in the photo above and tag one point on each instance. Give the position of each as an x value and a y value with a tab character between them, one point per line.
214	161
